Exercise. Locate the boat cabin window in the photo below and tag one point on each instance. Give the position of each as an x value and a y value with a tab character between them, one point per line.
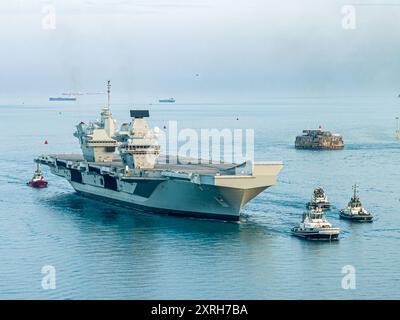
316	215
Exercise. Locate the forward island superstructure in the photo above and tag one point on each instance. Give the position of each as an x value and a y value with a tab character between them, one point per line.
141	178
96	138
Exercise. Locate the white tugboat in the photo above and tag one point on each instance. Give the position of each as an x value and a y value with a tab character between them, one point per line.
319	199
354	210
315	226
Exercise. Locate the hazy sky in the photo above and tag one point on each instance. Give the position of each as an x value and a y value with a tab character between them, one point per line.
155	48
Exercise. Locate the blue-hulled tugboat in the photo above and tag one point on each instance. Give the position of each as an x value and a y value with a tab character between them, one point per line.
315	226
354	210
319	200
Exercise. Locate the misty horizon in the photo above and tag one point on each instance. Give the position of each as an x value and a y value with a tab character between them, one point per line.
201	49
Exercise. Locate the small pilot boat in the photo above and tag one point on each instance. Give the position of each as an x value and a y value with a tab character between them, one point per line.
319	200
315	226
354	210
38	181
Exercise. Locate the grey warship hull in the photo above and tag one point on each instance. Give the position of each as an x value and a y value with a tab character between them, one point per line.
211	191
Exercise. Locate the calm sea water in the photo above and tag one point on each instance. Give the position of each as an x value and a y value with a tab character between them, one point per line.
103	251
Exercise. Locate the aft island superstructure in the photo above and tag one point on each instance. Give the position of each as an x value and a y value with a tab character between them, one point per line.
141	178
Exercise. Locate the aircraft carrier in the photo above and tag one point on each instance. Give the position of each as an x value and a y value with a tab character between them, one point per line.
141	178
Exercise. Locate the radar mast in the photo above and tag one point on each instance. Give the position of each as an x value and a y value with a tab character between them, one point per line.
108	94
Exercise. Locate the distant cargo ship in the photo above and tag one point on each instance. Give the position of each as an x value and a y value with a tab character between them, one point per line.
94	93
72	93
170	100
62	99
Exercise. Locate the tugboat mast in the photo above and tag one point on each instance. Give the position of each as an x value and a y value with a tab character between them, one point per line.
355	190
